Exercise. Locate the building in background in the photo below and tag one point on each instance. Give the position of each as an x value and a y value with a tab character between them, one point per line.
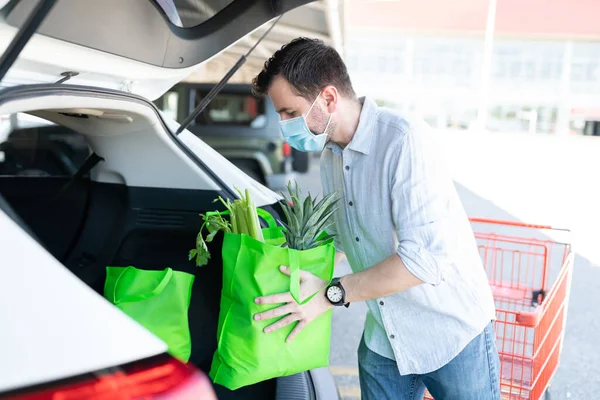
426	56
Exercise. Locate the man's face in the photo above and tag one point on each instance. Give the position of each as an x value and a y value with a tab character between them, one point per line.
289	105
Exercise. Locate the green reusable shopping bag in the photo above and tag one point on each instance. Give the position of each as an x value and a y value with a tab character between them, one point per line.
158	300
245	354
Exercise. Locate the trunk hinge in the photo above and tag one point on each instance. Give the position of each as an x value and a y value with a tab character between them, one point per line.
126	86
66	76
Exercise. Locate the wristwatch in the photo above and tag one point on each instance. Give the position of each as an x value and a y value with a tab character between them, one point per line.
336	294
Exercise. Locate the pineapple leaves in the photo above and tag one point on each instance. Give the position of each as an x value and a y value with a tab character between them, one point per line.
306	219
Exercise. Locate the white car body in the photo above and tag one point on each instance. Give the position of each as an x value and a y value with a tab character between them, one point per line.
29	357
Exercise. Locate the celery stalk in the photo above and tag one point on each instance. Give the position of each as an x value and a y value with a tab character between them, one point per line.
243	216
242	223
252	218
247	205
233	220
259	234
256	224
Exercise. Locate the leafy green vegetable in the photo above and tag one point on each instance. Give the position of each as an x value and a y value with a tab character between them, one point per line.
214	223
243	219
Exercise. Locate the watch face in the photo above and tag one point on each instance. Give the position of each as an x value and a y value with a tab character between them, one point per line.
334	294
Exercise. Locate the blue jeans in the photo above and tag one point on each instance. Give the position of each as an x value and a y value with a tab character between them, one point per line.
472	375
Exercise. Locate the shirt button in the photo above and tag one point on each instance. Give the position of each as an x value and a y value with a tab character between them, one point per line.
381	303
351	204
392	337
358	239
347	167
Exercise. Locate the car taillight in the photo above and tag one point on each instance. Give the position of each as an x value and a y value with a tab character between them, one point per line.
161	377
287	150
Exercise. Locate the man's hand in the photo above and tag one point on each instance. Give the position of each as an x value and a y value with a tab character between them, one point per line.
309	284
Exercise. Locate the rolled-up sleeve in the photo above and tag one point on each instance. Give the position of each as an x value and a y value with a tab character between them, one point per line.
420	199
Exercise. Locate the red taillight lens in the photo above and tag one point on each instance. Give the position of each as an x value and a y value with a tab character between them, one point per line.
287	149
149	379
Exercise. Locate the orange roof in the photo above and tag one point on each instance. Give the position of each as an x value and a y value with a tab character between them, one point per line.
555	18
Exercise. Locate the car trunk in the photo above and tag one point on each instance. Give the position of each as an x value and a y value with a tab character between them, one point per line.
99	221
140	206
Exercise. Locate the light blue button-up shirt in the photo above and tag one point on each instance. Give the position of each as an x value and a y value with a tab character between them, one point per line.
396	196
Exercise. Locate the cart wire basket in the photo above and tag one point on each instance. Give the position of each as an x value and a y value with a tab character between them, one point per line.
530	277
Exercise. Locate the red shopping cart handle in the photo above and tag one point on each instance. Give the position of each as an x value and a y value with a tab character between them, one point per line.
513	223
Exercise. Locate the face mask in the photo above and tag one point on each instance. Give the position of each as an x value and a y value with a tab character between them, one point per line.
295	131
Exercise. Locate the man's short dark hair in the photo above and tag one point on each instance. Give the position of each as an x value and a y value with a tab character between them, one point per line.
308	65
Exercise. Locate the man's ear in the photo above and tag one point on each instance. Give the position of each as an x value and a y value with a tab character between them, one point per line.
331	96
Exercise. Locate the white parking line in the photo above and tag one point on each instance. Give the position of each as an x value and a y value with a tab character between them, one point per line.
349	392
343	371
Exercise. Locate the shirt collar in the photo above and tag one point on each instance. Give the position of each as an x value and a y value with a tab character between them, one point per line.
361	141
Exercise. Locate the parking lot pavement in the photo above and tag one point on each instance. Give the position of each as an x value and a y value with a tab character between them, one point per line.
346	333
536	179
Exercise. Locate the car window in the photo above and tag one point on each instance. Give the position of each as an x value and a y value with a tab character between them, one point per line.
169	104
232	109
31	146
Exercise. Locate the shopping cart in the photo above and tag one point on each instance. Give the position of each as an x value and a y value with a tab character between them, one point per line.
530	277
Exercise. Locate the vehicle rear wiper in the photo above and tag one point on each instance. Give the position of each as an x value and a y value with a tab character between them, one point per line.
25	32
217	88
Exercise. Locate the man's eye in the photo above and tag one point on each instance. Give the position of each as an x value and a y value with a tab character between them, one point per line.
291	113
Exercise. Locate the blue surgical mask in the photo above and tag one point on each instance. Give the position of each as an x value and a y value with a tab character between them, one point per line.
296	132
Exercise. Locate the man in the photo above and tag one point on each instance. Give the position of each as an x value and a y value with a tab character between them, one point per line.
403	229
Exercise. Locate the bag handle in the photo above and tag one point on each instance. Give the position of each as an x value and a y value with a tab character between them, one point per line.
267	217
295	278
143	296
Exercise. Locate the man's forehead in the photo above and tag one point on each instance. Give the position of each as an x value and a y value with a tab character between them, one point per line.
283	96
280	85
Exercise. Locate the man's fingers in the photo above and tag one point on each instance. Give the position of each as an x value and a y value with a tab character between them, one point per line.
276	312
296	331
284	269
304	275
275	299
281	323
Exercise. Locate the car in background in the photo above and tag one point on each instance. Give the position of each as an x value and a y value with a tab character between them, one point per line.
31	146
240	126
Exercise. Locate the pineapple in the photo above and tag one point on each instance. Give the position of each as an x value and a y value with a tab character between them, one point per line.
307	219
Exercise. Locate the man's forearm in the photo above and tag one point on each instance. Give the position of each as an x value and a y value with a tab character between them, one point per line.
386	278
